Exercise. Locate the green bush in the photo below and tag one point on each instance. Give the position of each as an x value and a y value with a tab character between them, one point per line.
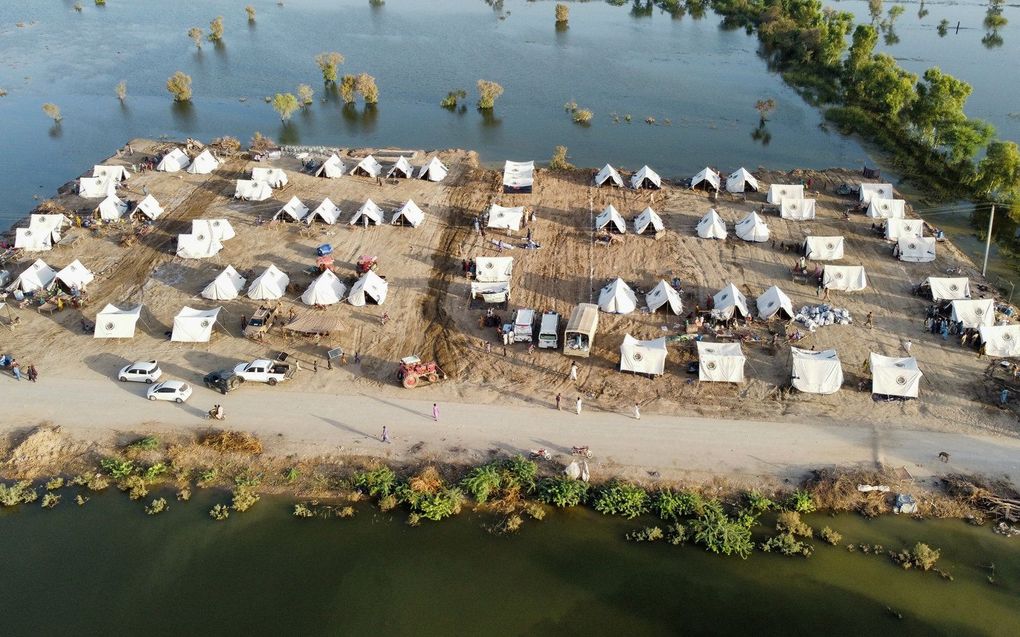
50	500
219	512
17	493
135	486
118	468
481	482
302	510
155	471
790	522
244	499
563	492
830	536
647	534
758	502
787	544
433	506
801	501
714	530
521	472
672	505
54	483
621	498
921	556
157	506
147	443
376	482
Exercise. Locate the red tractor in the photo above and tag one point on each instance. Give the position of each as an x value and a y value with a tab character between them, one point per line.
367	262
412	372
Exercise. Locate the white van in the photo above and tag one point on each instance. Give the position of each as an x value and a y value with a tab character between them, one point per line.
524	325
548	330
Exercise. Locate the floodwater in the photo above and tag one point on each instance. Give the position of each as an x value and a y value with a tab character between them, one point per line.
107	568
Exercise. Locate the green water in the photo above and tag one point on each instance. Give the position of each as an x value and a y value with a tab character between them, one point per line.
109	569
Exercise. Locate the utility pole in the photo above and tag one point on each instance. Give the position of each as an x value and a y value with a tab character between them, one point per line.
988	241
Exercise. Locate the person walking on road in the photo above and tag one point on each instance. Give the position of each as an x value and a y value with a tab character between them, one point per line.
906	346
578	406
637	411
33	375
385	434
558	397
573	371
435	412
869	323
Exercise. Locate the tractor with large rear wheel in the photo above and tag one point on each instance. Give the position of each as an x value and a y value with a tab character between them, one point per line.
413	372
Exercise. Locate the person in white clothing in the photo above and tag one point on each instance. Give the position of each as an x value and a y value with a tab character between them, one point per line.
573	371
578	405
637	411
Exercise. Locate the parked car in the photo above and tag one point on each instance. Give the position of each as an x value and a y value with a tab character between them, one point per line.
524	325
175	390
223	380
263	370
548	331
140	372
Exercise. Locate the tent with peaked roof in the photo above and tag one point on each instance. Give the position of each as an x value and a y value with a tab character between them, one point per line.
720	362
949	288
778	192
711	226
293	210
797	209
643	357
194	326
610	174
326	212
409	213
879	191
645	177
274	177
204	164
33	239
887	208
774	302
174	161
219	229
367	167
252	190
369	212
369	286
111	208
648	217
617	298
197	245
149	207
96	187
895	229
505	218
895	376
434	170
326	289
332	168
518	176
752	228
974	312
706	178
916	249
402	168
225	287
610	216
37	276
492	279
816	372
729	301
741	181
49	223
113	322
823	248
268	286
664	294
847	278
75	275
116	173
1001	341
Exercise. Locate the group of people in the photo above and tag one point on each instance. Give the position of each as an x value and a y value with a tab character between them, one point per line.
10	363
939	324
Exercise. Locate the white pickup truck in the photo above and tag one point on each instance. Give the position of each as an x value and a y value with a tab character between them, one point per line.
263	370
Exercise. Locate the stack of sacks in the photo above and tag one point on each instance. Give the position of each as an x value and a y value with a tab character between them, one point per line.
814	316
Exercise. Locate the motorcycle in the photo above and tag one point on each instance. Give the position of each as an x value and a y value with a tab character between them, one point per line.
581	451
216	413
540	454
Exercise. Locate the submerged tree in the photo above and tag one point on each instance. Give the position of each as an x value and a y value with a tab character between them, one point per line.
121	90
305	94
347	84
765	108
559	159
451	99
488	93
998	174
285	104
52	111
179	86
562	13
196	36
216	29
875	9
365	84
250	10
329	63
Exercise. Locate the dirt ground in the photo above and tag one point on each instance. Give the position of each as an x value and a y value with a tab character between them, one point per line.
431	316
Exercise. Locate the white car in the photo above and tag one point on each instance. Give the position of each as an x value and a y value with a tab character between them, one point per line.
175	390
141	372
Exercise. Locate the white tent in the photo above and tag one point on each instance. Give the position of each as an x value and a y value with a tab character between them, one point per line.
729	301
113	322
823	248
149	207
37	276
327	212
252	190
752	228
370	285
508	218
610	215
75	275
204	164
816	372
887	208
274	177
409	212
648	217
194	326
402	168
434	170
197	246
116	173
368	167
51	224
332	168
875	191
174	161
111	209
894	376
898	228
95	187
225	287
848	278
797	209
326	289
712	226
493	269
1001	341
974	312
268	286
518	176
773	301
946	288
778	192
645	178
741	181
643	357
370	211
219	229
293	210
608	173
664	294
707	176
33	239
617	298
720	362
917	249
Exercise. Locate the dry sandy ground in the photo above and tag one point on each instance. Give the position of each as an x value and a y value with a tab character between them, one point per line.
431	316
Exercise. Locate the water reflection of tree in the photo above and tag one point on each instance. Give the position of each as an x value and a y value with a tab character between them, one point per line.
363	121
56	131
184	115
994	20
289	134
761	134
641	8
489	119
922	12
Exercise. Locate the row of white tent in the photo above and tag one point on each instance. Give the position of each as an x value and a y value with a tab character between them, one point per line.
40	276
113	208
260	186
739	181
648	218
205	239
326	289
333	168
42	233
370	212
177	160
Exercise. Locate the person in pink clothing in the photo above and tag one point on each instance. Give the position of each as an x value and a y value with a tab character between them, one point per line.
435	412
